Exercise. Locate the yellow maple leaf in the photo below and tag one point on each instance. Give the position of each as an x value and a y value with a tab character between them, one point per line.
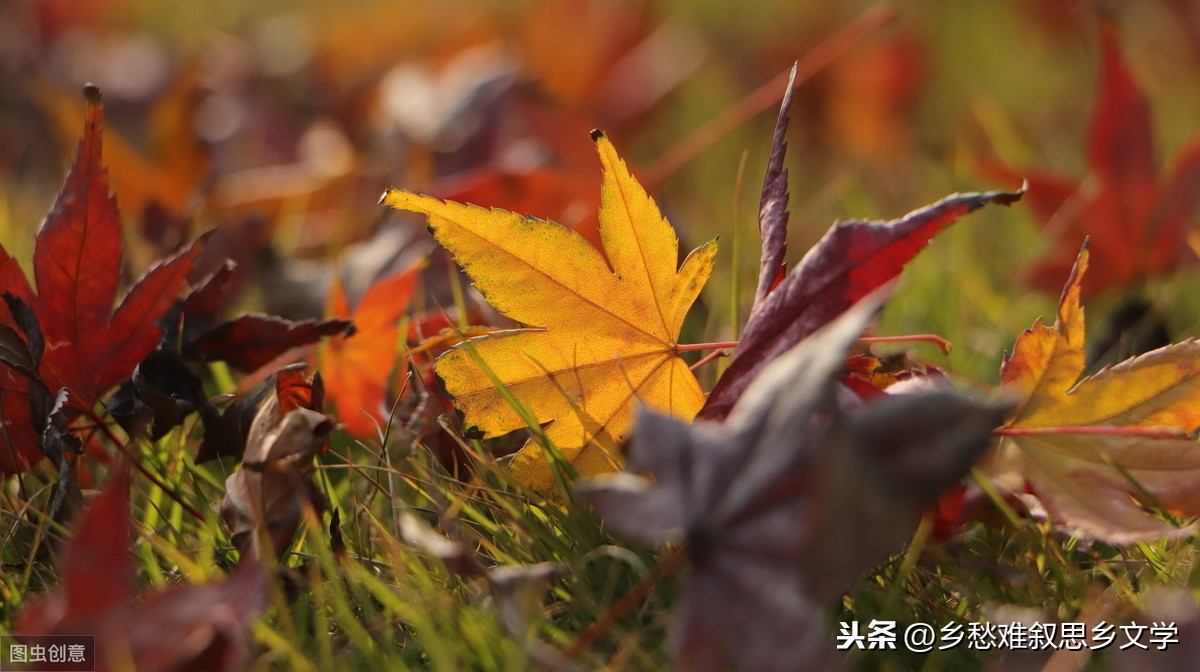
1097	450
605	337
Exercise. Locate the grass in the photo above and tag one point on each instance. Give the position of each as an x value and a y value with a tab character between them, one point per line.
384	603
381	605
387	604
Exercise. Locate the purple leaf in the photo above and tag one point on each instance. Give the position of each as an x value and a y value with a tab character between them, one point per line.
784	505
852	260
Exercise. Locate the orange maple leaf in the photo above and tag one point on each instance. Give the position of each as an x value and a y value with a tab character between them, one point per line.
356	365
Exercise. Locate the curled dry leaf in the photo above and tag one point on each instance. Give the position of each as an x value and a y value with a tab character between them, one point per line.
225	430
786	503
162	392
266	498
852	260
247	342
606	329
184	628
1075	442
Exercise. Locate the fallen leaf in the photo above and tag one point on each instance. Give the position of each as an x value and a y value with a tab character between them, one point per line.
1136	221
1095	484
782	506
24	396
604	336
357	364
225	430
772	205
162	392
266	498
97	571
296	388
45	415
195	627
852	260
248	342
77	263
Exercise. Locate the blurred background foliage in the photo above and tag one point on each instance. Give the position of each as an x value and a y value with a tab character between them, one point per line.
279	123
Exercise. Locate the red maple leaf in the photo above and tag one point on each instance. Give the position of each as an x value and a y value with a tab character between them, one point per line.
77	265
1136	220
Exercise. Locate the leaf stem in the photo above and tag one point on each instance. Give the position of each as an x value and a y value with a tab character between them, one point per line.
941	343
715	354
1145	432
668	562
692	347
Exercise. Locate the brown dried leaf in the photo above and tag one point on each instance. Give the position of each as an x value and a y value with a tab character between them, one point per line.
266	498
